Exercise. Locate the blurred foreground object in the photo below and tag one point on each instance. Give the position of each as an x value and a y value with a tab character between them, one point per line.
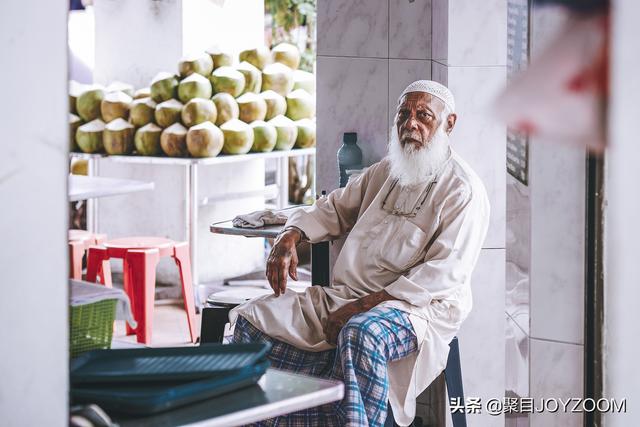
562	94
583	6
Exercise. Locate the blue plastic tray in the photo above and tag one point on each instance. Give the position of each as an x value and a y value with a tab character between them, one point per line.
150	398
164	364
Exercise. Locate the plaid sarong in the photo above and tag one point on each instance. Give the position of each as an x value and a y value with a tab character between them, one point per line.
366	343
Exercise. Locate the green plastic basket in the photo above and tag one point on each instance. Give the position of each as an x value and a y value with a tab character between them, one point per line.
92	326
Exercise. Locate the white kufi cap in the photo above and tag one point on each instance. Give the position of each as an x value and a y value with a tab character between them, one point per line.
433	88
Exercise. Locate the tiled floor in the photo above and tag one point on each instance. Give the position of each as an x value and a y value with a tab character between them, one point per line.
170	326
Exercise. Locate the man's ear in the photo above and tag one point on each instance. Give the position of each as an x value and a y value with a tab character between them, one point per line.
451	122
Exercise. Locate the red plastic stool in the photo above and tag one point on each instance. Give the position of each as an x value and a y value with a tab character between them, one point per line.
79	242
140	257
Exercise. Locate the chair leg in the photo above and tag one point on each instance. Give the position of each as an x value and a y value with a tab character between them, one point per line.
182	258
98	263
141	278
76	252
453	378
127	285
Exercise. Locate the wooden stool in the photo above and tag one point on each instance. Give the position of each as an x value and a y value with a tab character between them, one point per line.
79	242
140	257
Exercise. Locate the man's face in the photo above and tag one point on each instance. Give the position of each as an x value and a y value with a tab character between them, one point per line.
417	119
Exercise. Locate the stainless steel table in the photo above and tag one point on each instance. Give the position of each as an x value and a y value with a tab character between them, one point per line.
277	393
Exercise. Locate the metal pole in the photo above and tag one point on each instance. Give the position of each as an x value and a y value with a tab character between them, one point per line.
92	204
283	182
192	224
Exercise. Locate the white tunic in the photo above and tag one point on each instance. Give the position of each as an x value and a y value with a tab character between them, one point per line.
424	258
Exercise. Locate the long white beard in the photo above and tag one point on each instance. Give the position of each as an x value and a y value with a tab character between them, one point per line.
411	165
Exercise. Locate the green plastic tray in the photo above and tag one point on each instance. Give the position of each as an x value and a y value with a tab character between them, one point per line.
164	364
150	398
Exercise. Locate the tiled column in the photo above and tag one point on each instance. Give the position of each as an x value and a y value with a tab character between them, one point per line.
545	272
622	293
34	323
469	56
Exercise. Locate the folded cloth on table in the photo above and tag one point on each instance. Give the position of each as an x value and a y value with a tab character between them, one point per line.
259	219
86	293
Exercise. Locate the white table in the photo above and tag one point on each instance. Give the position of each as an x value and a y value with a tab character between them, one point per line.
277	393
194	199
90	187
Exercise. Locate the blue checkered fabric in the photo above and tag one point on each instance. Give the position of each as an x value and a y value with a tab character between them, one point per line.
366	343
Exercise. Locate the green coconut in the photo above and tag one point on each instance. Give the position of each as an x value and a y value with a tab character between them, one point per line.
300	105
173	141
168	113
219	57
264	136
304	80
276	104
120	87
226	106
79	167
306	133
163	87
252	107
286	54
142	111
205	140
227	80
145	92
147	140
75	89
194	86
200	63
89	136
259	57
115	105
88	103
197	111
238	137
252	77
74	123
277	77
118	137
287	132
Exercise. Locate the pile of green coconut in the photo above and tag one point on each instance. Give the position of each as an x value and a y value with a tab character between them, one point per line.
259	101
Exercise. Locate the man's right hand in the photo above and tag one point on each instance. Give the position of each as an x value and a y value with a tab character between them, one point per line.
283	261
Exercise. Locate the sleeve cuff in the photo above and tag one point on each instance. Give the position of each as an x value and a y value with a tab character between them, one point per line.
409	291
305	221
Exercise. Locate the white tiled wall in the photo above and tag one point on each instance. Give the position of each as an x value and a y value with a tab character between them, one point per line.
368	51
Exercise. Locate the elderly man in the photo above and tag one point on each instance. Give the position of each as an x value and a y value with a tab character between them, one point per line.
401	285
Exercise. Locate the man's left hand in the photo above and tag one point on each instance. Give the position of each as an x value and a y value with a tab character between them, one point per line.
336	320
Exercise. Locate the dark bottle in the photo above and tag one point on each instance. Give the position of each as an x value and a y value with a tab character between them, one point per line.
349	156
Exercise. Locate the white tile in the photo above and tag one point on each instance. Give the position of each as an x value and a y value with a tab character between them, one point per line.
402	72
479	138
440	29
482	336
517	360
518	245
352	96
410	29
557	188
556	372
469	32
353	28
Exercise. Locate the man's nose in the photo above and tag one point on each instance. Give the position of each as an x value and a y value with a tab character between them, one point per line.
411	123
